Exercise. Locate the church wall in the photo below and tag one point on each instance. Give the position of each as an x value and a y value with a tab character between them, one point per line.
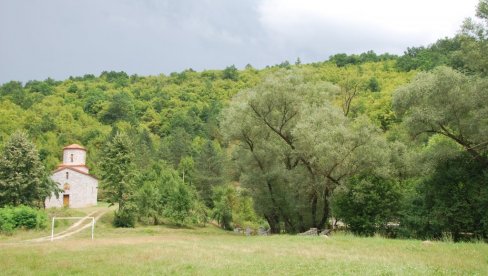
82	189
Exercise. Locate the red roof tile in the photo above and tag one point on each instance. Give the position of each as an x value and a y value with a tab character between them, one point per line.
75	146
76	170
71	166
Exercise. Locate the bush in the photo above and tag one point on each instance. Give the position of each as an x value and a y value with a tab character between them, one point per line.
367	204
452	201
25	217
124	219
7	224
165	195
179	204
224	198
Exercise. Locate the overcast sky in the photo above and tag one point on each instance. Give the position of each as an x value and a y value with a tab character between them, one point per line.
62	38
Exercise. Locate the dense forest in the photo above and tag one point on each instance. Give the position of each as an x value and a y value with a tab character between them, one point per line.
395	145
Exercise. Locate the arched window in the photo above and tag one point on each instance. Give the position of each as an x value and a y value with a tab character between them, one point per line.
67	175
71	158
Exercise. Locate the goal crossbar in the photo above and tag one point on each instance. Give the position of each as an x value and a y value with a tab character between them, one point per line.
80	218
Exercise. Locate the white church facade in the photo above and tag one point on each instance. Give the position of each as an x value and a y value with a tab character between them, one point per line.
79	187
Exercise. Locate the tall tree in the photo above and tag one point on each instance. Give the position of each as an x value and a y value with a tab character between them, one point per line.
295	148
117	171
23	179
121	108
208	171
474	41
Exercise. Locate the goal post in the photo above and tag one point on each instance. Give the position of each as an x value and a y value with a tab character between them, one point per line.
80	220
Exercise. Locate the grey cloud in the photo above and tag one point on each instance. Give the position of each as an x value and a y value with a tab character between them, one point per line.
59	38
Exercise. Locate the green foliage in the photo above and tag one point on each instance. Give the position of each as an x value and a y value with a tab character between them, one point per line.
120	79
230	73
120	109
284	126
148	204
14	91
208	170
367	204
374	85
118	173
177	146
448	103
224	199
473	53
467	51
23	180
443	52
342	59
44	88
124	218
453	200
25	217
243	213
164	195
179	202
233	207
72	88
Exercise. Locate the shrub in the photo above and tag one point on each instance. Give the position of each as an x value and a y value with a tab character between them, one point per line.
25	217
7	224
179	204
224	198
124	219
367	204
452	201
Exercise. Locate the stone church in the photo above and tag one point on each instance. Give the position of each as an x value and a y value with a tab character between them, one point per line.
79	186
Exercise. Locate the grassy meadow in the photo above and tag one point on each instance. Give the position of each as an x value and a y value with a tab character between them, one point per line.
210	251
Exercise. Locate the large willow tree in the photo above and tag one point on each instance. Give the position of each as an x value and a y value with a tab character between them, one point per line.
448	111
294	148
448	103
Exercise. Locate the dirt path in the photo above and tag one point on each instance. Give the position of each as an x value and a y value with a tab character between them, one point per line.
78	226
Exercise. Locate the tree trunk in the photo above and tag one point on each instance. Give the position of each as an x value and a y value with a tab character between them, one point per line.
314	209
273	222
326	208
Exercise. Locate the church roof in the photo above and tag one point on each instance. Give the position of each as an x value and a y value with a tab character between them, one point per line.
74	169
71	166
75	146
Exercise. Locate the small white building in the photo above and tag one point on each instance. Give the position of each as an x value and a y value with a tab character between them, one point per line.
79	186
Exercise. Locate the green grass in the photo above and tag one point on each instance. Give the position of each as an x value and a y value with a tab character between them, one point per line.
209	251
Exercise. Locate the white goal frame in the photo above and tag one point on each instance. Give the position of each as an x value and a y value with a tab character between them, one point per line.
80	218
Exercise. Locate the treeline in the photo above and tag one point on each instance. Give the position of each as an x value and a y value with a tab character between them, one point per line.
342	59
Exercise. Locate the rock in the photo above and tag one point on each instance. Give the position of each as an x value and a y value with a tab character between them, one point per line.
311	232
427	243
325	232
263	232
248	231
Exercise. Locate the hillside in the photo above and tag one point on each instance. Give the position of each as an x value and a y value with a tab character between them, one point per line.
86	109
